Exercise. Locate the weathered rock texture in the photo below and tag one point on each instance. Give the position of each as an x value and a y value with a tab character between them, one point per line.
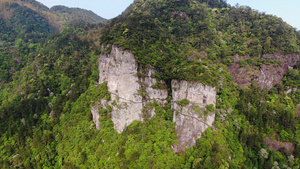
96	116
292	90
129	94
266	75
131	97
151	94
190	120
119	70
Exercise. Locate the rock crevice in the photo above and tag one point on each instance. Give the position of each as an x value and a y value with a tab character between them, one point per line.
118	69
192	119
131	95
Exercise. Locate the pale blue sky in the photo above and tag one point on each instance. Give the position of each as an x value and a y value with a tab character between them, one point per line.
288	10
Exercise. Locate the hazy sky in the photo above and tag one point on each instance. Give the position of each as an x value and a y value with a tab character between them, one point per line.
288	10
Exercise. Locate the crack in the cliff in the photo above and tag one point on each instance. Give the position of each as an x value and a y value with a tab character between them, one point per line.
214	128
126	99
159	99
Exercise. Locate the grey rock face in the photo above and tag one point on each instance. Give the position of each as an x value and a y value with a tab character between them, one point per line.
190	120
119	70
151	94
291	90
131	96
96	116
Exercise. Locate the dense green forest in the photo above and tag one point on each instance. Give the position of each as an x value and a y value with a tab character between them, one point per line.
48	83
19	36
75	15
24	25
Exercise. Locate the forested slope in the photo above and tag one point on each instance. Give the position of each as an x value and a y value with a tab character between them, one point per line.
75	15
24	24
21	30
170	31
45	106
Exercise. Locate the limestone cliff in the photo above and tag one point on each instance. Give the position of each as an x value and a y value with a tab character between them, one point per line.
119	70
191	119
131	96
151	94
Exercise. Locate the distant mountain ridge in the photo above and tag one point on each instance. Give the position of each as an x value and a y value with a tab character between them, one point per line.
223	81
75	15
24	23
57	16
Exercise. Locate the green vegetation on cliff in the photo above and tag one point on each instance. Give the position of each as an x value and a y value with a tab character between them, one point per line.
75	15
48	84
173	36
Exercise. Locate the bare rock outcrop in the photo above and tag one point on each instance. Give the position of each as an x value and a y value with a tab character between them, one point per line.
131	96
129	93
119	70
192	118
151	93
96	116
266	75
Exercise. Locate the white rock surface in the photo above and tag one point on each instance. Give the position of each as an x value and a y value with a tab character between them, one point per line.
119	70
291	90
131	95
96	116
189	123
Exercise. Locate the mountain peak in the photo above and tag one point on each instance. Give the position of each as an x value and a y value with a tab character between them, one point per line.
165	34
57	16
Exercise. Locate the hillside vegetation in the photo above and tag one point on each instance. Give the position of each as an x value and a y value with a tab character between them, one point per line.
48	84
57	16
24	24
172	35
75	15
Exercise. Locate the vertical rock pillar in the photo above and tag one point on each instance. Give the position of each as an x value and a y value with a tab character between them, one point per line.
191	118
